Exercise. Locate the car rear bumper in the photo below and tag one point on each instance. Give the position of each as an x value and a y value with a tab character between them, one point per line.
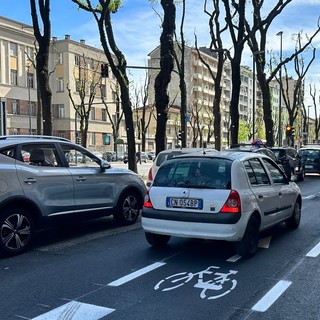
228	232
218	226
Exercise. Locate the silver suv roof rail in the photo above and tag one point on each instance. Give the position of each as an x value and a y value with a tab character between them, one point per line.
32	136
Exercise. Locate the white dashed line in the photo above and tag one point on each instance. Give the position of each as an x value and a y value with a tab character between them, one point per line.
263	304
313	253
76	310
136	274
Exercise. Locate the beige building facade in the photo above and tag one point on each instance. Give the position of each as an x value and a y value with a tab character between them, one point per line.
71	64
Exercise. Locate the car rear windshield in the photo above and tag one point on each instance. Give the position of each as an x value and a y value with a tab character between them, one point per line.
309	154
209	173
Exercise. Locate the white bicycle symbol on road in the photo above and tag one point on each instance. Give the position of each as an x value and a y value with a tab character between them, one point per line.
219	285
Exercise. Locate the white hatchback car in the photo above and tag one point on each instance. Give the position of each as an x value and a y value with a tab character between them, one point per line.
221	196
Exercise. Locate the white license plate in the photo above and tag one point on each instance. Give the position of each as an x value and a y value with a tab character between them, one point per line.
184	203
308	167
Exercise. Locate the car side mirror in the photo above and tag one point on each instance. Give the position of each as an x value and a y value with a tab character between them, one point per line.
105	164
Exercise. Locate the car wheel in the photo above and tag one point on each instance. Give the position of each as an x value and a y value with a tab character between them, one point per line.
248	246
128	209
16	231
294	221
302	175
157	240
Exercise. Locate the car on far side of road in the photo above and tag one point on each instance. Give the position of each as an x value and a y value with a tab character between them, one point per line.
59	180
310	157
151	155
224	195
291	162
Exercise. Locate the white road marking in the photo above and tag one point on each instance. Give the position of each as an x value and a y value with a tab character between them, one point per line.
263	304
314	252
75	310
136	274
312	196
265	242
234	258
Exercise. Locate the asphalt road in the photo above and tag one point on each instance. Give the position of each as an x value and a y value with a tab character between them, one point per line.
96	270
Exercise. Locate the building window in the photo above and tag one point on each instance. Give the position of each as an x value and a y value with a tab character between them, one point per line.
103	114
15	107
29	52
13	77
78	85
30	80
61	134
77	60
114	96
60	85
103	90
61	110
90	65
13	49
60	58
92	139
32	109
92	113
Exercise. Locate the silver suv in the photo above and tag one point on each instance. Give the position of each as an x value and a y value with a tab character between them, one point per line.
45	177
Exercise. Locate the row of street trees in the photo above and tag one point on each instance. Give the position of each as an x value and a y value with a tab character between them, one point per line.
242	22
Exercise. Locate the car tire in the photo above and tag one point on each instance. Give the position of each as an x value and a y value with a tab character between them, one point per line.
128	209
16	231
294	221
248	246
301	175
157	240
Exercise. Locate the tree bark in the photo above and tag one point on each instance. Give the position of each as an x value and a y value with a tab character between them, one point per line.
166	66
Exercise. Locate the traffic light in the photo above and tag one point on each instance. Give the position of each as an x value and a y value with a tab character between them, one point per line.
179	135
293	130
288	130
104	71
78	140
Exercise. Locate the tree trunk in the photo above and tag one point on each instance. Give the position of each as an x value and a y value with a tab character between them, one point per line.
166	66
234	103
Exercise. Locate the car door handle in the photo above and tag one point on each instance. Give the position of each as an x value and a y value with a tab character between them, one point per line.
80	179
260	196
30	180
280	194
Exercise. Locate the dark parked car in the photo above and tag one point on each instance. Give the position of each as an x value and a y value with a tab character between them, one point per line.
310	157
59	179
290	161
258	148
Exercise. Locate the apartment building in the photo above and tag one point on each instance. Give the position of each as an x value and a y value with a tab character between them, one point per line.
200	92
72	64
17	78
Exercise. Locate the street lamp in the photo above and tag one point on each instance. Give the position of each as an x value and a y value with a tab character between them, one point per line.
280	91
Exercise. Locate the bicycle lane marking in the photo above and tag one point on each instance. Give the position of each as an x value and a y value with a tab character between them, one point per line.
218	285
136	274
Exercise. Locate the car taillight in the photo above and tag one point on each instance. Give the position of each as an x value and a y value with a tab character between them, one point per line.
147	202
150	178
233	204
